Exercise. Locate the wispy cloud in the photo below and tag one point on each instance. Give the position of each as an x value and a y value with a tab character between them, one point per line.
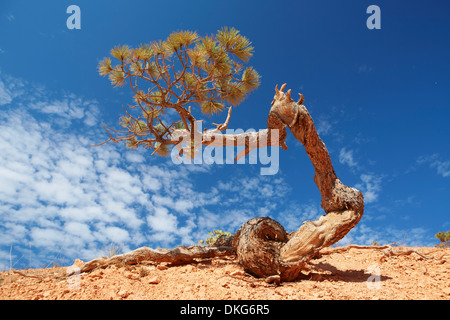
295	214
370	186
346	157
364	234
5	95
442	167
10	17
435	161
324	127
364	68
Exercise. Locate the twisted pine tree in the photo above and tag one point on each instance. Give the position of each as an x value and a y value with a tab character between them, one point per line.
196	76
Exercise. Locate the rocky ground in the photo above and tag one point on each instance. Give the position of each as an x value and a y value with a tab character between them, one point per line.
349	274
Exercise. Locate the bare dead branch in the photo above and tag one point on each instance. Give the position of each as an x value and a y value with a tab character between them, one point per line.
224	126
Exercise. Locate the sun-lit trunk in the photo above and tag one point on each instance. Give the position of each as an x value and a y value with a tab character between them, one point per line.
262	245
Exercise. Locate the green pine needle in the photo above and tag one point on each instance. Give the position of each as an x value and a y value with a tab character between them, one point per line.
104	67
121	52
212	107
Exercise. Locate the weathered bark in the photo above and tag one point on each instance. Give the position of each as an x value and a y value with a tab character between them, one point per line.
258	251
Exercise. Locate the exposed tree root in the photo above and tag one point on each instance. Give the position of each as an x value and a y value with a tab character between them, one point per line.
27	275
175	256
404	252
352	246
388	250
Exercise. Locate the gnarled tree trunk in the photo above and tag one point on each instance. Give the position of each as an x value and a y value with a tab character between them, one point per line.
262	245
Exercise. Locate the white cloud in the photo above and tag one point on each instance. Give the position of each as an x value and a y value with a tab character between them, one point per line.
10	17
363	234
162	201
47	237
323	127
68	108
442	167
78	229
370	187
346	157
150	183
435	161
5	96
134	157
293	217
12	231
183	206
364	68
162	221
116	235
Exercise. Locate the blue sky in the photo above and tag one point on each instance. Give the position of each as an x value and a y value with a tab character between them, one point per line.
379	98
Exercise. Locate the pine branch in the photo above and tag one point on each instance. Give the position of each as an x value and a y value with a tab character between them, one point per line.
182	70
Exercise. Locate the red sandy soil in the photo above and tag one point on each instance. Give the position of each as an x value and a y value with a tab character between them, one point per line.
353	274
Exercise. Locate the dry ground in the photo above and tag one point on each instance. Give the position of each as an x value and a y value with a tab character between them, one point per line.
352	274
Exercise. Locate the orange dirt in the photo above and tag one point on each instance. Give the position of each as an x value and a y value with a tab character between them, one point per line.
342	275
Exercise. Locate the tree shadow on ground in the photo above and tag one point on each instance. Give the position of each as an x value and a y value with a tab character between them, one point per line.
324	271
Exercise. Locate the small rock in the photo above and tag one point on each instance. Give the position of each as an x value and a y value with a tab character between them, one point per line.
162	267
123	293
153	280
237	273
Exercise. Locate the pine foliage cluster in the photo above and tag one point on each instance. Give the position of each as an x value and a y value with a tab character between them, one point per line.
184	70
